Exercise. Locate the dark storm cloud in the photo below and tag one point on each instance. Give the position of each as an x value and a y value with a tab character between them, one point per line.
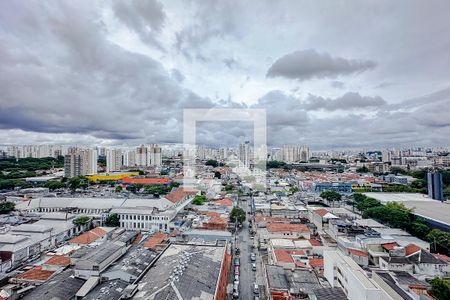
76	81
63	77
145	17
307	64
209	22
348	101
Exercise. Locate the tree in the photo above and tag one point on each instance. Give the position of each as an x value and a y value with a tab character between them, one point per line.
112	220
440	288
419	229
217	174
363	169
331	195
174	184
447	192
366	203
358	197
439	240
74	183
9	184
55	185
274	164
397	170
6	207
81	220
396	218
419	184
293	190
398	206
237	215
119	189
199	200
229	187
212	162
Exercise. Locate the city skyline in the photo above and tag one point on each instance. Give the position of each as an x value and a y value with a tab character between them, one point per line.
331	76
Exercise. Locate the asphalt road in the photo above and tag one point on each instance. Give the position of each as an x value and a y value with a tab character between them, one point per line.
247	277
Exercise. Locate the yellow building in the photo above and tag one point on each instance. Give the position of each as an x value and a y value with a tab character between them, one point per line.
111	176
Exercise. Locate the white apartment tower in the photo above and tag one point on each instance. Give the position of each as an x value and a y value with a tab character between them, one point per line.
294	153
141	156
113	160
80	162
155	156
386	156
129	158
244	154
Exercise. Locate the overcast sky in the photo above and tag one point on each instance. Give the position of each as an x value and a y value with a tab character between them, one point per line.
331	74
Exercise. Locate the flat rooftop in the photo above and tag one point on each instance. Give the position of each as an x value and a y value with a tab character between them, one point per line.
189	271
423	206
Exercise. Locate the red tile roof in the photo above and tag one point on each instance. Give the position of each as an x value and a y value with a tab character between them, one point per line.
36	274
58	260
155	240
358	252
411	249
321	211
210	214
300	264
278	227
89	237
180	194
282	255
130	180
314	242
316	262
442	256
390	246
224	202
261	218
137	239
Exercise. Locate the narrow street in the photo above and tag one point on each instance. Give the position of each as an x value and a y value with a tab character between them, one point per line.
248	277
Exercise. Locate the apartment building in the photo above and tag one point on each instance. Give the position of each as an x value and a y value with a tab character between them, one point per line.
80	162
341	271
113	160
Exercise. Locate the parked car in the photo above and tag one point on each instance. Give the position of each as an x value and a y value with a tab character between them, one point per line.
256	289
253	257
253	267
237	262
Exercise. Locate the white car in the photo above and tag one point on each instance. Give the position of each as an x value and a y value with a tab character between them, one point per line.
256	289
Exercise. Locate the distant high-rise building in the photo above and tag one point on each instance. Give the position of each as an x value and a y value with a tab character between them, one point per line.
72	165
294	153
155	156
435	190
129	158
141	156
386	156
113	160
80	162
245	154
